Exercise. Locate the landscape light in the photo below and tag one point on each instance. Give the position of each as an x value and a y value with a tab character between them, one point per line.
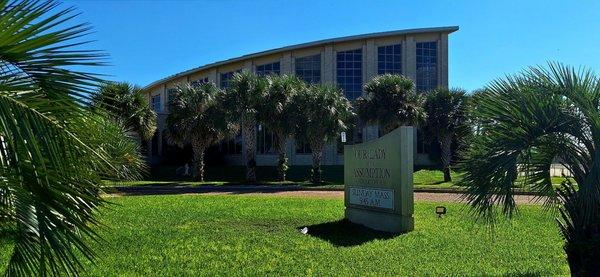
440	210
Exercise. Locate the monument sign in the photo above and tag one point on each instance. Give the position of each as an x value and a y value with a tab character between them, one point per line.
379	182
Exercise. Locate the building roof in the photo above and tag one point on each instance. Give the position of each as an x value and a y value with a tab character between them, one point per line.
447	29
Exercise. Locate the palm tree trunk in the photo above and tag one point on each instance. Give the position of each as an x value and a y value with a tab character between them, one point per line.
446	155
317	155
282	165
249	134
580	227
198	149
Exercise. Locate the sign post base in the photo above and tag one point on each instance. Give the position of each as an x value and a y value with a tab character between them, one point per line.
386	222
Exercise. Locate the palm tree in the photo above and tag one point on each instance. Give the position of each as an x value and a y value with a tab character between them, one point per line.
446	121
277	113
113	140
243	100
390	101
324	112
198	118
128	104
50	161
527	122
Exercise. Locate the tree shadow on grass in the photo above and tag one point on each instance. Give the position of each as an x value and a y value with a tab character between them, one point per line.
343	233
525	274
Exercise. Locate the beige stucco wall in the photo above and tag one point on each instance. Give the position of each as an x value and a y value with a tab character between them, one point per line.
328	52
328	75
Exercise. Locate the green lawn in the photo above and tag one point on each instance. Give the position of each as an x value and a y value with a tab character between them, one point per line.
197	235
333	177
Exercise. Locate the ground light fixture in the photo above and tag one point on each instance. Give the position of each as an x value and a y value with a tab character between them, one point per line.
440	210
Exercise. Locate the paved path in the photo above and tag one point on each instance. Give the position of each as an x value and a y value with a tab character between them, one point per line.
290	191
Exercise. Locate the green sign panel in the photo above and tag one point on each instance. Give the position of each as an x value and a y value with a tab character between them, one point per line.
379	182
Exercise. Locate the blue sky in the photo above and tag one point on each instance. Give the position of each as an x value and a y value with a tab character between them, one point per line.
149	40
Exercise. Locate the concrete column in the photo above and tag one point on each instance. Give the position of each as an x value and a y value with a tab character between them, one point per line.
328	65
409	55
212	76
370	61
443	61
286	63
163	99
249	65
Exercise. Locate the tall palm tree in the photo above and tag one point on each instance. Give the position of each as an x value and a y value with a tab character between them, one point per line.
127	104
527	122
324	112
50	161
446	121
277	113
243	100
390	101
198	118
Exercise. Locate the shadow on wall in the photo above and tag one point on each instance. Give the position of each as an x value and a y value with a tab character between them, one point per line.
343	233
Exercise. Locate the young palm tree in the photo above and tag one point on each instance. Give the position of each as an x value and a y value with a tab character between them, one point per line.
324	112
127	104
50	161
390	101
243	100
197	117
527	122
277	113
112	139
447	121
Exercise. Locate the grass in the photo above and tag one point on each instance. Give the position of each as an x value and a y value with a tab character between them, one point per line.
196	235
333	177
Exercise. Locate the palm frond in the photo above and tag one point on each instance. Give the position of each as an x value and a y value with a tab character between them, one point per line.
391	101
54	189
35	51
521	123
50	169
127	104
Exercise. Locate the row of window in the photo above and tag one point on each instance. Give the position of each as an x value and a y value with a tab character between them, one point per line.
268	69
349	68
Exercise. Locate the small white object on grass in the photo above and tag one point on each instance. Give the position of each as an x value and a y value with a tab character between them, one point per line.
304	230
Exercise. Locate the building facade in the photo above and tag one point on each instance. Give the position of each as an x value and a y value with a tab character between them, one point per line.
348	62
